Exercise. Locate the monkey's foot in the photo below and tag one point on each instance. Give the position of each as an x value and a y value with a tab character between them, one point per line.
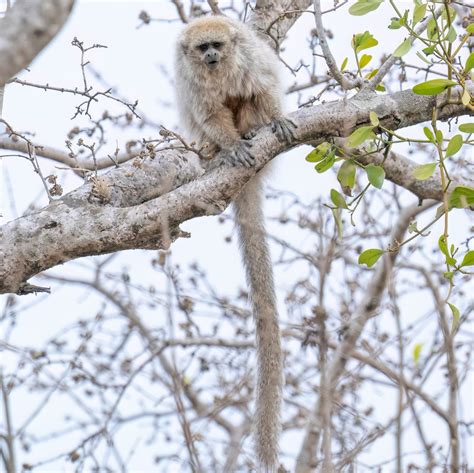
240	154
284	129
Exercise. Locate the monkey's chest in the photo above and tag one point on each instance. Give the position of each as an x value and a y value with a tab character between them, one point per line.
244	112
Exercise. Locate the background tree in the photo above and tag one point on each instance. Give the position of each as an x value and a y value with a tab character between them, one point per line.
151	365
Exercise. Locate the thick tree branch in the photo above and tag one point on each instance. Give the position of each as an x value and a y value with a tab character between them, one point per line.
142	207
399	170
270	17
26	29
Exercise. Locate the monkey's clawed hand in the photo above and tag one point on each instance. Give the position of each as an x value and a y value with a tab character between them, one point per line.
240	154
284	129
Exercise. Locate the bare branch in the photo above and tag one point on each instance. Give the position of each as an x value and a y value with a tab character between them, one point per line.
391	60
363	313
330	61
213	5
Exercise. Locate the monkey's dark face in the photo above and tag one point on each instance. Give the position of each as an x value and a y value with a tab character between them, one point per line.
211	53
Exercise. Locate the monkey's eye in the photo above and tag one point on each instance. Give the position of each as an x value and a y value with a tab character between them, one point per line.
203	47
216	45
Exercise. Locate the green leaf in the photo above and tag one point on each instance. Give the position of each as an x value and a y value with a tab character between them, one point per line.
362	7
444	249
338	199
346	176
374	119
454	145
468	259
452	14
357	137
337	218
456	316
461	197
403	48
318	153
395	24
344	64
439	136
364	60
424	171
326	163
466	97
429	134
429	50
469	63
363	41
443	246
371	73
432	30
449	275
370	257
419	13
452	35
417	352
467	127
470	28
376	175
423	58
433	87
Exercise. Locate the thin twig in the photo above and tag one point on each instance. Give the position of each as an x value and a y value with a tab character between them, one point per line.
9	437
391	60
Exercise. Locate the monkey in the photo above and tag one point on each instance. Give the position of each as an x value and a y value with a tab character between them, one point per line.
227	86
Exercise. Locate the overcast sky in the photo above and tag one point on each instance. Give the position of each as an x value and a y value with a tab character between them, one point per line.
139	62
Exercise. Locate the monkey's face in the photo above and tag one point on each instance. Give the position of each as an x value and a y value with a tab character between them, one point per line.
208	42
211	53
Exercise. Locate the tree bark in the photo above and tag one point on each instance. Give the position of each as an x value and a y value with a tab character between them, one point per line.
26	29
143	208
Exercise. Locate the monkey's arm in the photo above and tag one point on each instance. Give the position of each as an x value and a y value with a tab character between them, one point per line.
219	128
283	127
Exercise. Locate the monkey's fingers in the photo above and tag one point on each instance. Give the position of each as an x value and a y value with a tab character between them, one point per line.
284	129
240	155
249	135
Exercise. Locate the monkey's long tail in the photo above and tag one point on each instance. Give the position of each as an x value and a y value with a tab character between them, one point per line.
255	253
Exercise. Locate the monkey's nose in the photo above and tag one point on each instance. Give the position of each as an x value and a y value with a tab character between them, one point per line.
212	57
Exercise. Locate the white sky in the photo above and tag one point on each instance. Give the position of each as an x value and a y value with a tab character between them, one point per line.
131	62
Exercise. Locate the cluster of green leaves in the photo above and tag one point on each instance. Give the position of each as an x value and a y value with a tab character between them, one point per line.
440	37
326	155
361	42
460	197
436	137
440	45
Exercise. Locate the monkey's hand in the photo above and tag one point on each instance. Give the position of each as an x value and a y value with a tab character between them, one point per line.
240	154
251	134
284	129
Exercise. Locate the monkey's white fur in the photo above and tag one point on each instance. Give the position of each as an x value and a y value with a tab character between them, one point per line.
218	106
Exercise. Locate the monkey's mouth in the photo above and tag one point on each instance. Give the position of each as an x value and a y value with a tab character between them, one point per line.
212	64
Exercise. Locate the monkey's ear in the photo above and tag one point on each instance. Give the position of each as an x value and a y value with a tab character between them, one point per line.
234	34
184	46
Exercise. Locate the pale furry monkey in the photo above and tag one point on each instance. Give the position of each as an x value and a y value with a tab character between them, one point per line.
227	85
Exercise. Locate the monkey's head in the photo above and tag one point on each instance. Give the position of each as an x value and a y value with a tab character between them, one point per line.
208	42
